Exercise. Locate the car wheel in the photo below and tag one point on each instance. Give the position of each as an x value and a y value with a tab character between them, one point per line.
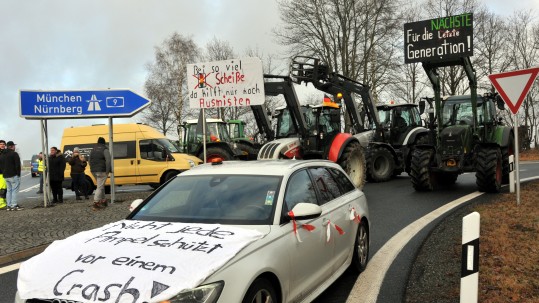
261	291
361	248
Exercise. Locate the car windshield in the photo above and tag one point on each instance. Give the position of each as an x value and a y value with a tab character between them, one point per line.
223	199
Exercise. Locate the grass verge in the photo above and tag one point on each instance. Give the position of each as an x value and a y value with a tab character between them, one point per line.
509	249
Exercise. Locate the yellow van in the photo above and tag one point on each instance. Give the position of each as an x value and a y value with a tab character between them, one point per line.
142	155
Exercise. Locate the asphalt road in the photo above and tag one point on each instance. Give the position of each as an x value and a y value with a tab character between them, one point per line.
393	205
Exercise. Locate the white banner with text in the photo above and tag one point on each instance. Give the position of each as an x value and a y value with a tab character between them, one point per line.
131	261
228	83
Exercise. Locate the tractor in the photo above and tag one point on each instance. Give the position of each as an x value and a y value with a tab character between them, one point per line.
388	147
464	136
321	138
219	145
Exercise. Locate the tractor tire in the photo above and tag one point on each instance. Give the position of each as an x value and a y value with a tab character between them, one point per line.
352	161
380	165
249	152
420	172
424	139
506	152
216	153
488	167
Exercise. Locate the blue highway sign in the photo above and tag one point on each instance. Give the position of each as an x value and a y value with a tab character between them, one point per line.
38	104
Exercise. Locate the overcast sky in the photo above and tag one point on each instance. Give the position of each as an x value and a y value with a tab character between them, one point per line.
99	44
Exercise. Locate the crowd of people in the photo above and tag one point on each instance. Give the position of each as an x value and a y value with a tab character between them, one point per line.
10	173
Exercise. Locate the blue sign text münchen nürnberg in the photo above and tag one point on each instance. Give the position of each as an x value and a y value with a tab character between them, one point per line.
37	104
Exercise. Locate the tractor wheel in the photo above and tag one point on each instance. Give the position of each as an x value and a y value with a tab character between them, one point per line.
424	139
506	152
214	153
352	161
420	172
249	153
380	165
488	167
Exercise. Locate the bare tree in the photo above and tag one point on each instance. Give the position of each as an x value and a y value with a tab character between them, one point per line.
490	47
355	38
408	82
524	53
166	82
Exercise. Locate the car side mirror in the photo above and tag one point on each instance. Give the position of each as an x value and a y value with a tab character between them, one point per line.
306	211
135	204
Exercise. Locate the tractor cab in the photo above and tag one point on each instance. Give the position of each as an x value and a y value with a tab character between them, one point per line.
218	141
324	123
397	120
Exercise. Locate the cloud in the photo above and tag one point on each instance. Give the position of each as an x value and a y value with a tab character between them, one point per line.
64	44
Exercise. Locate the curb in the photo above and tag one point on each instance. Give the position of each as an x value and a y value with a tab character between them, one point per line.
21	255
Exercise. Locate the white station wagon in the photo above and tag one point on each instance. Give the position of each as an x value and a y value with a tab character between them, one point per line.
249	231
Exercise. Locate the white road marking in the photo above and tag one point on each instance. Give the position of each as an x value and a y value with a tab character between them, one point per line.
9	268
367	286
29	188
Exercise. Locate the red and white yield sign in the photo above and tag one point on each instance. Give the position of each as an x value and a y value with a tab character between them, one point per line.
514	86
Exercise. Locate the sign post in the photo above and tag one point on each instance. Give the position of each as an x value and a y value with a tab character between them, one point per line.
73	104
513	88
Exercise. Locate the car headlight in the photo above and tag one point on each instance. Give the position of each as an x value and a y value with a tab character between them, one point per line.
191	163
203	294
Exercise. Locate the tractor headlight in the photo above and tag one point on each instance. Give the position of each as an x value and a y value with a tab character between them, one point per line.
203	294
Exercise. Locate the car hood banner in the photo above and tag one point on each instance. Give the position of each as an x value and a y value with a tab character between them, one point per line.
131	261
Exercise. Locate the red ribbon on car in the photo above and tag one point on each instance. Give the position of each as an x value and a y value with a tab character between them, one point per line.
328	230
354	216
307	227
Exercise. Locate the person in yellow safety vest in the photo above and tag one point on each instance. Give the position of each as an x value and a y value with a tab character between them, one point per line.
3	186
40	166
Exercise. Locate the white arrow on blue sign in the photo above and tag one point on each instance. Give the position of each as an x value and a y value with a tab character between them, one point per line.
39	104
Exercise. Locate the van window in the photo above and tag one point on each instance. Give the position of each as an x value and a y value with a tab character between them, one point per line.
124	150
152	150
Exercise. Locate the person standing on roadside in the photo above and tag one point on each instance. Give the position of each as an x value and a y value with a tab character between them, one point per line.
57	166
78	165
10	162
100	166
40	166
3	186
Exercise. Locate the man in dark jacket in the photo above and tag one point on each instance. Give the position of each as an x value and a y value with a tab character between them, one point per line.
10	164
57	166
100	167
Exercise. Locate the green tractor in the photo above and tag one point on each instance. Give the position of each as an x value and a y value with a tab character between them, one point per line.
219	145
465	136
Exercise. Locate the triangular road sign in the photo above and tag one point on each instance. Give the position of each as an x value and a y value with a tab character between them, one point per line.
514	86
